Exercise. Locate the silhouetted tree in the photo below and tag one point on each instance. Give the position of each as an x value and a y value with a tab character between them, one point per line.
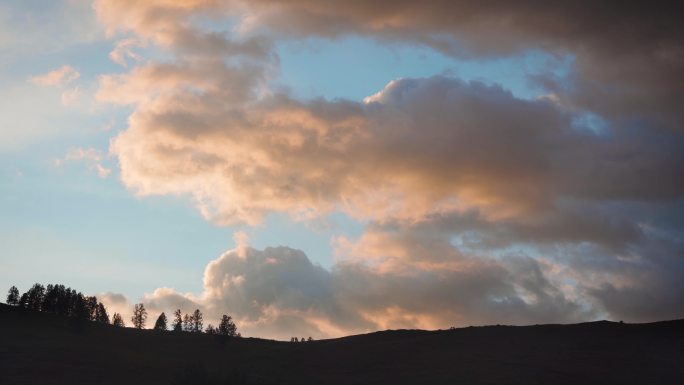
35	296
139	316
211	329
101	315
23	301
91	308
294	339
177	321
227	327
161	322
117	320
197	321
49	304
187	323
13	296
79	307
309	339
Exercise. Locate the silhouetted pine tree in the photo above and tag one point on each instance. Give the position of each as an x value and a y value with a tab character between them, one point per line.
13	296
101	315
49	299
23	301
35	296
139	316
227	327
309	339
197	321
161	322
211	329
177	321
187	323
80	307
91	308
117	320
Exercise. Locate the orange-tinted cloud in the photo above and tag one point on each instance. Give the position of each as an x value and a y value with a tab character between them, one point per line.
59	77
483	207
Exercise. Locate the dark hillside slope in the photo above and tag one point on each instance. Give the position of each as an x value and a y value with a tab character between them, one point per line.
37	348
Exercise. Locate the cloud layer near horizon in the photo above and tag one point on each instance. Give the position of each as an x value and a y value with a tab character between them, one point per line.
482	206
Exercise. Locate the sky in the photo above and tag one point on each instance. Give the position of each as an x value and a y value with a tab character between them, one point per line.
331	168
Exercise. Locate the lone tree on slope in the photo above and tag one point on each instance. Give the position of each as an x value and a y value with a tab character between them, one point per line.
13	296
177	321
161	322
139	316
117	320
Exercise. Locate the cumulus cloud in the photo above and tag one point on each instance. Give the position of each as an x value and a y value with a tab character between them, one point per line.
482	207
277	292
116	303
418	146
59	77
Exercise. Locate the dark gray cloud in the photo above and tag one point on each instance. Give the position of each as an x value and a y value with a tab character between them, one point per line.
627	54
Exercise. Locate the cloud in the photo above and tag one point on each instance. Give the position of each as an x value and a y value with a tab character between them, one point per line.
277	292
123	50
623	60
59	77
482	207
116	303
92	158
420	145
70	97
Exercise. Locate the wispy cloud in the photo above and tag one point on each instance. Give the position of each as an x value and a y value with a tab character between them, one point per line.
91	157
59	77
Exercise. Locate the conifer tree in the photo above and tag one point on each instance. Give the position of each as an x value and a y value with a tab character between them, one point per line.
117	320
139	316
177	321
227	327
161	322
23	301
101	315
187	323
197	321
35	296
13	296
79	307
211	329
91	308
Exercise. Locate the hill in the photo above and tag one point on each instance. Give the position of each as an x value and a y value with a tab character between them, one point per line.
38	348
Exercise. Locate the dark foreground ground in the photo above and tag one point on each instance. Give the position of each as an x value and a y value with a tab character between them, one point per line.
38	348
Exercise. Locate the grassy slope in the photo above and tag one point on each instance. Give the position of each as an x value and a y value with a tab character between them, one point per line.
38	348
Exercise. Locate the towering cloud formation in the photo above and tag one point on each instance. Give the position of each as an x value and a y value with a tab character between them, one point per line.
482	206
